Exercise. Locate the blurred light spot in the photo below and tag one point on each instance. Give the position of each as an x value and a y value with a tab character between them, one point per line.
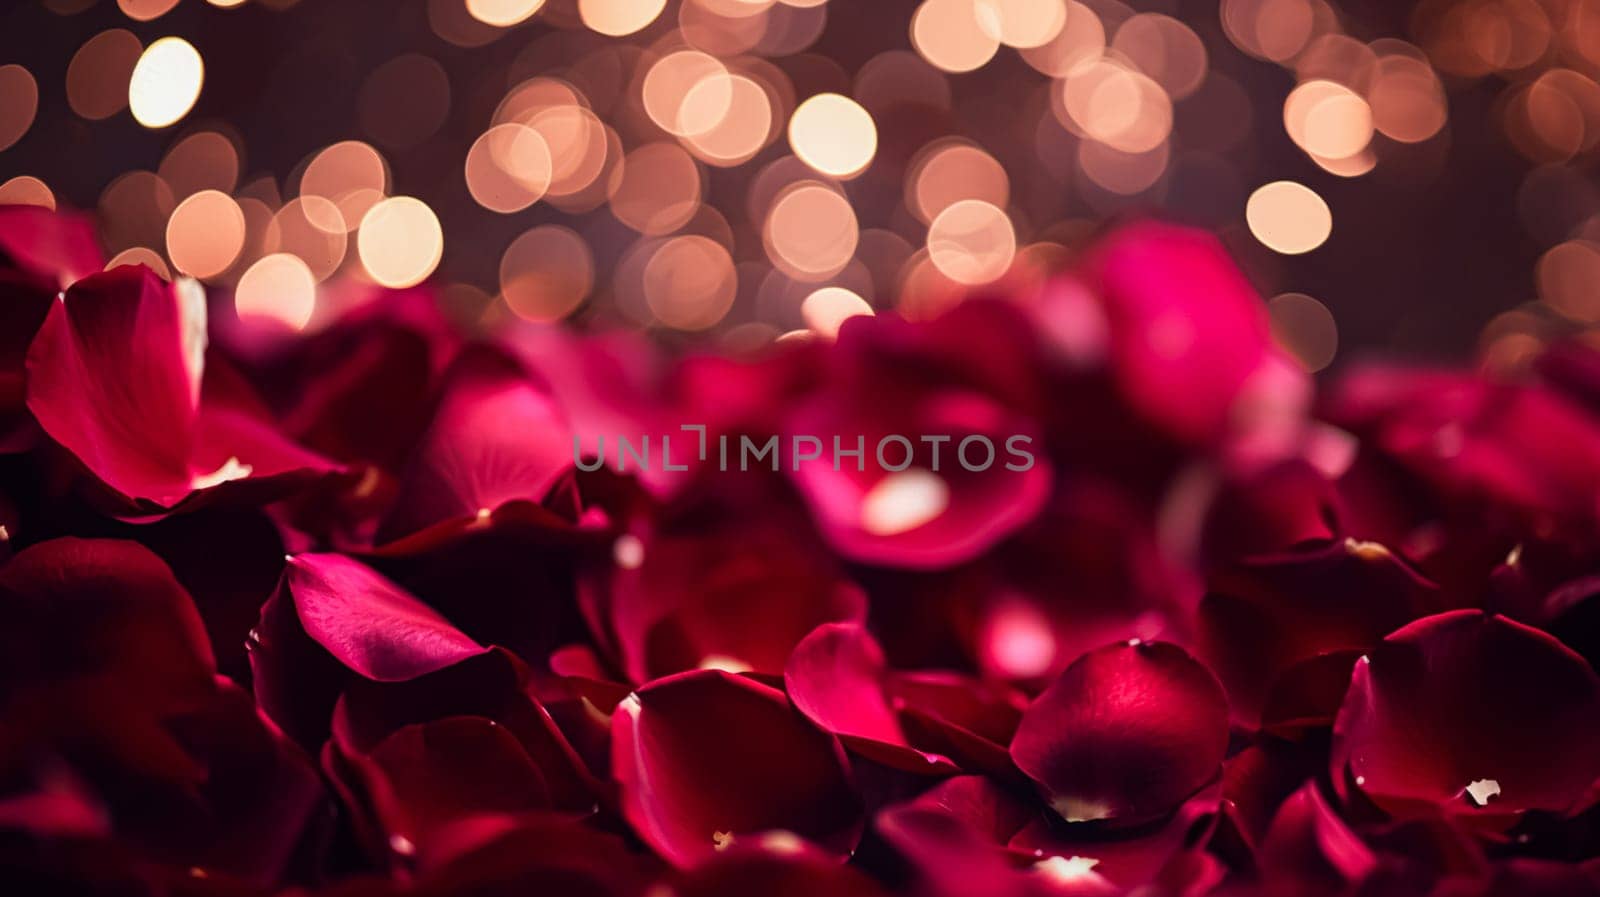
1271	29
145	10
404	101
619	17
1305	329
1165	49
578	147
134	209
350	174
834	135
1124	174
902	501
811	231
1408	102
947	34
19	102
1328	120
900	77
279	287
690	283
25	190
97	76
204	160
312	228
503	13
828	308
1115	105
1081	39
1021	23
140	255
950	171
546	273
743	130
400	242
1288	217
165	82
508	168
1019	641
674	79
972	242
659	191
1569	280
205	234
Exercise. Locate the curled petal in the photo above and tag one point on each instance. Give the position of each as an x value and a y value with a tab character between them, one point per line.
1458	712
1126	734
705	759
1309	850
497	436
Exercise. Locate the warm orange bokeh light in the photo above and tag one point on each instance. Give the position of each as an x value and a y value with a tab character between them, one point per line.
277	287
205	234
972	242
546	273
811	231
834	135
400	242
1288	217
19	101
165	82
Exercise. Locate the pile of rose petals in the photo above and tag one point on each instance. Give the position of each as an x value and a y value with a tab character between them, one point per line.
339	613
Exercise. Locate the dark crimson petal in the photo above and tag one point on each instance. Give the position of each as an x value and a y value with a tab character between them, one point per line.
1258	779
966	719
1267	511
1126	734
114	376
428	776
1542	878
1459	712
706	757
104	609
55	247
774	865
1268	617
497	436
1310	851
492	686
1166	853
101	649
728	575
537	853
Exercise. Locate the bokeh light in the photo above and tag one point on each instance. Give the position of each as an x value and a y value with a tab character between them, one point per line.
690	282
827	309
972	242
546	273
205	234
165	82
98	75
278	287
811	232
400	242
1305	328
834	135
1288	217
19	102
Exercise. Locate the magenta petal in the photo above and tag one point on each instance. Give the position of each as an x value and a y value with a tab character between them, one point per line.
368	623
1474	715
1310	851
1127	733
57	247
496	436
1187	330
836	677
114	376
704	757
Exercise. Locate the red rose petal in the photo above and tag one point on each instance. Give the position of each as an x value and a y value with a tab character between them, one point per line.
1310	851
1126	734
114	376
1459	712
705	757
